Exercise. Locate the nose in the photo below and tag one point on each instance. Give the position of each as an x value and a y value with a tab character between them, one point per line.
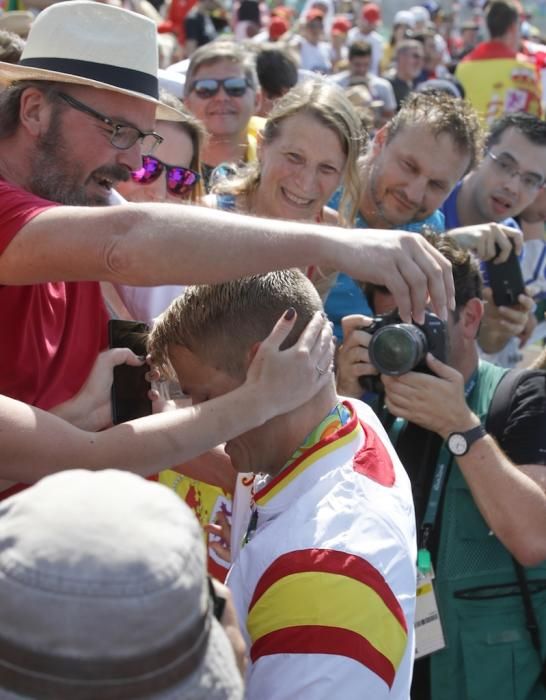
306	179
512	183
158	192
415	190
130	158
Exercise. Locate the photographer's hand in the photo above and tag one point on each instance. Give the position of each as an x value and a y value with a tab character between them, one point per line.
352	359
435	402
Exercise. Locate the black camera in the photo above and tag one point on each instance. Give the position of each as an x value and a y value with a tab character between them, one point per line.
396	347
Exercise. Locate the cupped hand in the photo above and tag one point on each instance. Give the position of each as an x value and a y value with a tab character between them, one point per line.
483	239
352	359
436	401
500	323
289	378
91	408
412	269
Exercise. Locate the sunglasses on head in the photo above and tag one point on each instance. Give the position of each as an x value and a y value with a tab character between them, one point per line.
180	181
208	87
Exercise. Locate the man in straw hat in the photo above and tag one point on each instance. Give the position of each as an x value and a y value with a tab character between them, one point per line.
77	113
122	611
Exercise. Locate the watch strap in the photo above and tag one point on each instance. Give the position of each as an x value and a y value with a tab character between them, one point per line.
470	436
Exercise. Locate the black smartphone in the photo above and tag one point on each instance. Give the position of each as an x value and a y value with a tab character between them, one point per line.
130	387
505	280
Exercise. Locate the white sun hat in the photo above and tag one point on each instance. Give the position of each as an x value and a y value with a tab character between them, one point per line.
93	44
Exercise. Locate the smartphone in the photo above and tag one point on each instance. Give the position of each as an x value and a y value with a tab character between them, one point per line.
505	280
130	387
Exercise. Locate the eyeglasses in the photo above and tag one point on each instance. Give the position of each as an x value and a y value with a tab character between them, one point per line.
123	136
507	166
180	181
209	87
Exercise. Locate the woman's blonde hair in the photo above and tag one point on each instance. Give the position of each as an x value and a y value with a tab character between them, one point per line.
196	131
327	104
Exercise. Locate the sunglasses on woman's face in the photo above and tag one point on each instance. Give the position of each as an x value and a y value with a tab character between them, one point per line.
180	181
209	87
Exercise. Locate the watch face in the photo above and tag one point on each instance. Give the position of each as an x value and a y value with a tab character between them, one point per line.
457	444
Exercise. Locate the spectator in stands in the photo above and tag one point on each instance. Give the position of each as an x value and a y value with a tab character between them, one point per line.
171	174
402	186
507	179
178	179
369	21
314	52
199	28
470	35
329	551
111	597
402	25
408	62
222	91
360	56
277	71
339	50
496	78
504	183
309	146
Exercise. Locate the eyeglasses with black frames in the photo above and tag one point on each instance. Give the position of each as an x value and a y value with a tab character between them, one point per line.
508	166
123	136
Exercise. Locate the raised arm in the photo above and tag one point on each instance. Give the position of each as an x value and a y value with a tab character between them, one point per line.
172	244
34	443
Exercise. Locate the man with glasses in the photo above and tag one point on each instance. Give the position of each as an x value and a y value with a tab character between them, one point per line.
222	91
501	186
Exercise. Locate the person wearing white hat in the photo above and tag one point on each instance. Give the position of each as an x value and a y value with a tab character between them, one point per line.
103	595
421	17
77	113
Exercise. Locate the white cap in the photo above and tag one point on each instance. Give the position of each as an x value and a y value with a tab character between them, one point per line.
404	17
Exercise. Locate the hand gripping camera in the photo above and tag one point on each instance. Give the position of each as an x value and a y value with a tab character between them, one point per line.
396	347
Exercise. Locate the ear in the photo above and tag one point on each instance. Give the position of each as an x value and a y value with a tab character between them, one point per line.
259	145
380	140
251	354
471	317
257	101
34	112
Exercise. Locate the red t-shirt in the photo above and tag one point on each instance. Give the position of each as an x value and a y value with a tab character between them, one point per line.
52	332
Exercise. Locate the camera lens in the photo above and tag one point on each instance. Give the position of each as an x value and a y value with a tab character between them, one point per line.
397	349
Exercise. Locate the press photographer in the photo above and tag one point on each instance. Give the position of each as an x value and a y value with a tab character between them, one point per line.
480	503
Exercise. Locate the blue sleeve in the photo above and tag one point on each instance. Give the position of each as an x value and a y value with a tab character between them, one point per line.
345	297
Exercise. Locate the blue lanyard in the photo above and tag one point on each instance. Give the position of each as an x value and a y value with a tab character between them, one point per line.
443	467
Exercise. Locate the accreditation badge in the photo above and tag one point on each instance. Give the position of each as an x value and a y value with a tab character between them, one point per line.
429	636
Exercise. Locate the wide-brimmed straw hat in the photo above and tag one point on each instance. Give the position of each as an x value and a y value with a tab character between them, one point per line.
93	44
103	595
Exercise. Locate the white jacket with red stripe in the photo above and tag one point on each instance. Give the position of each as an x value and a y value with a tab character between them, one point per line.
325	588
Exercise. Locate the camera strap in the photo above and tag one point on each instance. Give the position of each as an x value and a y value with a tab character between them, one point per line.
442	468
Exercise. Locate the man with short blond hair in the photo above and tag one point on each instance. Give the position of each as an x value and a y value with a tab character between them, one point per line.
325	583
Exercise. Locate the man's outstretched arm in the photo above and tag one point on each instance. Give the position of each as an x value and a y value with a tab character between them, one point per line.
175	244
